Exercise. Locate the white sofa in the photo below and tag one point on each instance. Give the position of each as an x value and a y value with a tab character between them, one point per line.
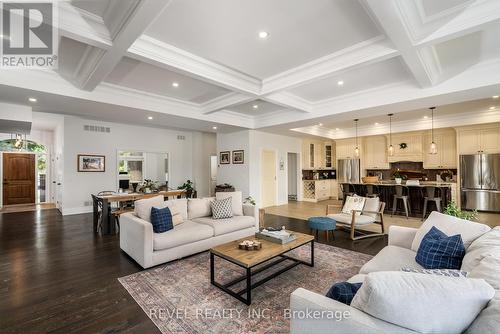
197	233
481	243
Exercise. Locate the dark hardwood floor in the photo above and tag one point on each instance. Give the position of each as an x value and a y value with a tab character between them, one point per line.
57	276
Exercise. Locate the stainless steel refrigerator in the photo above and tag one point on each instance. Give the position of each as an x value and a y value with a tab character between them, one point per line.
348	171
480	182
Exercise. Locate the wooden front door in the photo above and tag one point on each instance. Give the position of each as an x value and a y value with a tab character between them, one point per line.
18	178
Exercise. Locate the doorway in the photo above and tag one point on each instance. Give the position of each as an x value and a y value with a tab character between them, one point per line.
19	178
268	177
292	176
213	175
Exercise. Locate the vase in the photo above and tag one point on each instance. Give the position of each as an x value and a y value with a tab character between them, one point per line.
398	180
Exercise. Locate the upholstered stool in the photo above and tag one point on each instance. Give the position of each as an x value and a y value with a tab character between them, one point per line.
322	224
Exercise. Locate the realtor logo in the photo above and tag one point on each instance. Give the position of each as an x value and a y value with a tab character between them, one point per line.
28	35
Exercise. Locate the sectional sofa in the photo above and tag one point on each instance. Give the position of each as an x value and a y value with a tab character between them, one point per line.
198	231
482	260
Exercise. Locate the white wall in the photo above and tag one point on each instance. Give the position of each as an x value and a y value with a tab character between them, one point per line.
237	175
204	145
247	177
282	145
78	187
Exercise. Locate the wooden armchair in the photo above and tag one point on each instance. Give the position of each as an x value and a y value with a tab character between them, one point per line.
353	221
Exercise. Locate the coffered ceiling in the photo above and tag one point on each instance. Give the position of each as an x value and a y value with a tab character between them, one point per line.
327	61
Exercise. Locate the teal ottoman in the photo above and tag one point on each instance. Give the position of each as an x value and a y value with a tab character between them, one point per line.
322	224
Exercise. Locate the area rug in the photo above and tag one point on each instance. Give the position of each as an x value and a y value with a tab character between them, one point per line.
179	298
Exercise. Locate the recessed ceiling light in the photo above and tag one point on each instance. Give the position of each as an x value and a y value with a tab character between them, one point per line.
150	117
320	124
425	117
255	106
340	83
492	108
32	99
337	129
263	34
214	127
175	84
495	96
376	123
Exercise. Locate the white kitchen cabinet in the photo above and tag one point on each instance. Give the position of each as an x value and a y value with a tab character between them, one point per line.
317	154
413	150
329	155
334	189
446	156
375	153
322	189
479	140
345	148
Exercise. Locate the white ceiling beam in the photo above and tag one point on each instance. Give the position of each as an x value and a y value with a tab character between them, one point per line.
473	18
368	52
83	26
289	100
135	20
225	101
155	52
422	64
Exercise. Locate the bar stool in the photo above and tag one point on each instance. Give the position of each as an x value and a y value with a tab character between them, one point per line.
402	193
432	194
372	190
347	190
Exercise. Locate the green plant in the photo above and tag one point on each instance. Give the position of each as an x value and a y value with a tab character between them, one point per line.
397	174
452	210
250	200
188	186
446	174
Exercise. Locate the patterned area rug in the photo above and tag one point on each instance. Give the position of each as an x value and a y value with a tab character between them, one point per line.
179	298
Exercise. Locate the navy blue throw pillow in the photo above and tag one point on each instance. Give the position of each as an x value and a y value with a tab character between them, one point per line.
161	219
343	292
439	251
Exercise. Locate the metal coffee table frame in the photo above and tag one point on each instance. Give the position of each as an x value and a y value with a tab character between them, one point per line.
249	272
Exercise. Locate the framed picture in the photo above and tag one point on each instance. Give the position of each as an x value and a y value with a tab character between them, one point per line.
239	157
91	163
224	158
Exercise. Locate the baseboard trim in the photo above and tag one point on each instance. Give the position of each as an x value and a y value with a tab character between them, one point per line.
77	210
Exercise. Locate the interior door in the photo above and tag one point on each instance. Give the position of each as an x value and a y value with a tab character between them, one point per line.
268	177
18	178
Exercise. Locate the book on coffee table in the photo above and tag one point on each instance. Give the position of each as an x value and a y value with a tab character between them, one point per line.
279	237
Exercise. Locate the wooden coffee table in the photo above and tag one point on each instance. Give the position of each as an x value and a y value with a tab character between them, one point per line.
249	259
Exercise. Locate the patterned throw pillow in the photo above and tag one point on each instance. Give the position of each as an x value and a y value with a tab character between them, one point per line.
161	219
343	292
353	203
440	272
439	251
222	208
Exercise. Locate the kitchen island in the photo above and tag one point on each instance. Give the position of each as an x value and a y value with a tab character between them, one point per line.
386	191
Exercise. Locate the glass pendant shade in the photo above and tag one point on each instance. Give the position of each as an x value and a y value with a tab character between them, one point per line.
391	150
356	151
433	148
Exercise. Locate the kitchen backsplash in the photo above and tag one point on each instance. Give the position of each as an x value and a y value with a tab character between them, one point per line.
413	169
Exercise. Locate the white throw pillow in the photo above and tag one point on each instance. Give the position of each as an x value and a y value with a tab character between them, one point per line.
237	201
199	207
423	303
142	207
449	225
486	245
353	203
371	204
179	206
489	270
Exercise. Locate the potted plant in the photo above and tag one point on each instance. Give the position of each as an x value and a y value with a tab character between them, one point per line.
249	200
398	177
189	187
452	210
446	175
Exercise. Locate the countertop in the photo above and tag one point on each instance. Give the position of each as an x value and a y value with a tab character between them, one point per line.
320	180
393	183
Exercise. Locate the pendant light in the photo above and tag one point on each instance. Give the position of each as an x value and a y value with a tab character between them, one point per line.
432	146
390	150
356	150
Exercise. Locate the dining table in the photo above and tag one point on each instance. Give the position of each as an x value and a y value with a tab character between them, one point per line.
108	226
